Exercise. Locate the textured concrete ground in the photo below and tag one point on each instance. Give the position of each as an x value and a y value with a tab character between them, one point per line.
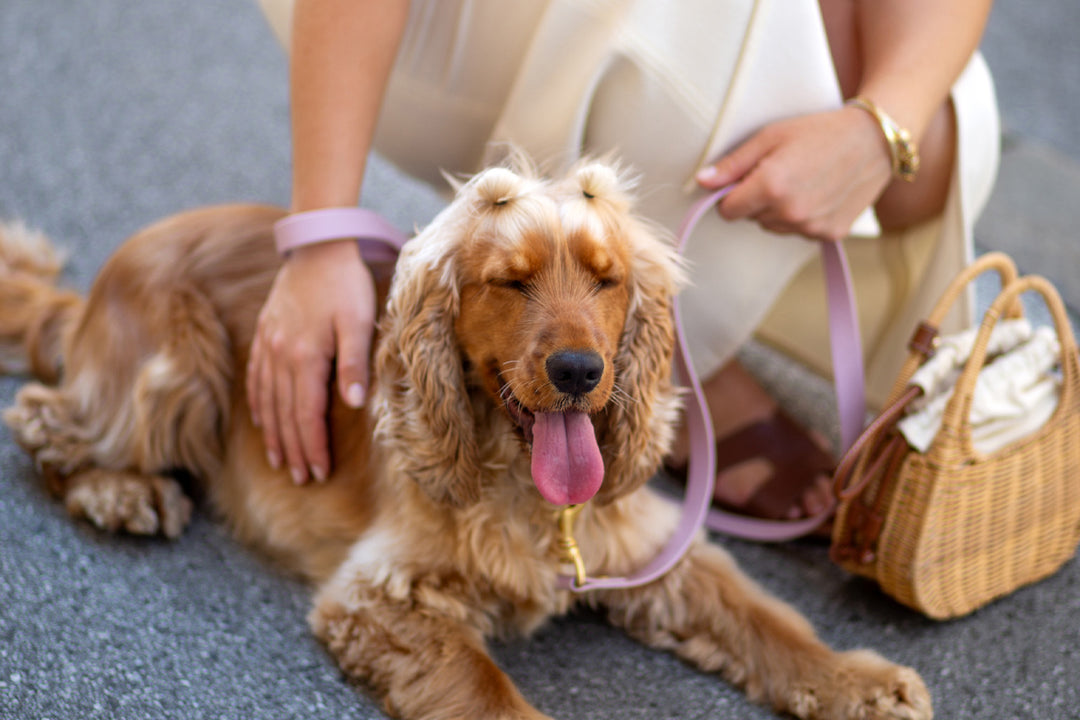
115	113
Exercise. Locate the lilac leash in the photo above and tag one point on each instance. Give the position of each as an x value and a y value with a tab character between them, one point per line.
379	240
848	376
848	381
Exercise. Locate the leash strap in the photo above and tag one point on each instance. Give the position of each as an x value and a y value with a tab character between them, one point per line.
700	473
381	241
848	377
848	382
845	342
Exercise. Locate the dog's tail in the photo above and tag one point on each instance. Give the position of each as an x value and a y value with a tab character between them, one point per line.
35	315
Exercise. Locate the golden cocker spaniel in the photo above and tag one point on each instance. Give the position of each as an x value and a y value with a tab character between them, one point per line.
523	362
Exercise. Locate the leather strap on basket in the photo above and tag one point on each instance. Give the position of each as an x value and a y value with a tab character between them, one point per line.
869	456
844	487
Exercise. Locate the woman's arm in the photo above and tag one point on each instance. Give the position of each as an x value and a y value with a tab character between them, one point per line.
321	304
341	57
912	52
814	174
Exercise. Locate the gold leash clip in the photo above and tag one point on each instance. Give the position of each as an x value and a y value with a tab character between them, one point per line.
570	552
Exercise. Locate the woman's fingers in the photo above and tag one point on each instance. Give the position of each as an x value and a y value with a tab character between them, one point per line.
810	175
354	331
263	401
321	306
733	166
284	409
308	418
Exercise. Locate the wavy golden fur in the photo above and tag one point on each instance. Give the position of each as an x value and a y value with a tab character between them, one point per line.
525	300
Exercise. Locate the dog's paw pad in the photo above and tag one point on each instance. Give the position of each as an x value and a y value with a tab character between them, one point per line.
136	504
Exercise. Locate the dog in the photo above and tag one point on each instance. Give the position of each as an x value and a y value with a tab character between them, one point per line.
522	362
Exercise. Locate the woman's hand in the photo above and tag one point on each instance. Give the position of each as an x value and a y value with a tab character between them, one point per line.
321	306
810	175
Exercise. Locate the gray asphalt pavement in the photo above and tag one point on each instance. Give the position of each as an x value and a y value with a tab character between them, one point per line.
114	113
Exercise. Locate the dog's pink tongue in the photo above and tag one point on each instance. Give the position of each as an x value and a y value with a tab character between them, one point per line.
566	463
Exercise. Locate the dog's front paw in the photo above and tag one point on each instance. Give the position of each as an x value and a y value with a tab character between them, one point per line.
138	504
862	685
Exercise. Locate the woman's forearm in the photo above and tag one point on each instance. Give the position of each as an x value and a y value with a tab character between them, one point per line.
341	57
912	51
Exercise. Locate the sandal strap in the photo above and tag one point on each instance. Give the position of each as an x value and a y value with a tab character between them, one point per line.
796	460
778	438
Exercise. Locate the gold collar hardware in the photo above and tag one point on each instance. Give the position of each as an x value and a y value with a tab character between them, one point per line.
568	547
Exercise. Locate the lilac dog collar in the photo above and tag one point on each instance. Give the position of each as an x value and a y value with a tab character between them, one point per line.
379	240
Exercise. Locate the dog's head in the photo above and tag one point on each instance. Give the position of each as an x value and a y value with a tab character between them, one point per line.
549	301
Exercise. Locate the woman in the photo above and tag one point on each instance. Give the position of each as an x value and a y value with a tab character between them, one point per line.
696	94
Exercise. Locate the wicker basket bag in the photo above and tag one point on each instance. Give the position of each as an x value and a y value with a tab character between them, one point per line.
948	530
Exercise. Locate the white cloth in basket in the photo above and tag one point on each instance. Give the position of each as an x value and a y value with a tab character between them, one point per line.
1014	395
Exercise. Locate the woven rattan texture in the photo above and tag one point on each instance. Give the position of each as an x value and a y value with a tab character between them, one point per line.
959	529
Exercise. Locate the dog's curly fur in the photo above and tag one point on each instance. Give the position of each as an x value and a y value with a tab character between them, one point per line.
430	535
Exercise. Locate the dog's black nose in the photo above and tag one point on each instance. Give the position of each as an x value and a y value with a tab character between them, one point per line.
573	372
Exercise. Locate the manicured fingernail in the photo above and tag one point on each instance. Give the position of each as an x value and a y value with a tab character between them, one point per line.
273	458
707	174
318	473
354	395
298	475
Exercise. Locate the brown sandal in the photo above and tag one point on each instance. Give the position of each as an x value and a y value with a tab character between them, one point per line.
796	460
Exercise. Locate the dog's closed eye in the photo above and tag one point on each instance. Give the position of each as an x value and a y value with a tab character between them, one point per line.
605	283
520	286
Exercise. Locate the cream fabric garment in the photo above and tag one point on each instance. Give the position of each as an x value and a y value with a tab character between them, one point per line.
669	87
900	276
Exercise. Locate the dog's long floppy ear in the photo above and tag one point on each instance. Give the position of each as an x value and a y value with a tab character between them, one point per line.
639	425
423	411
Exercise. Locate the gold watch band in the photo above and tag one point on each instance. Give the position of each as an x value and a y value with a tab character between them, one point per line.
904	151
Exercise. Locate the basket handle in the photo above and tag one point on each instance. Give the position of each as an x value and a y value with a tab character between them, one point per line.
955	430
920	347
